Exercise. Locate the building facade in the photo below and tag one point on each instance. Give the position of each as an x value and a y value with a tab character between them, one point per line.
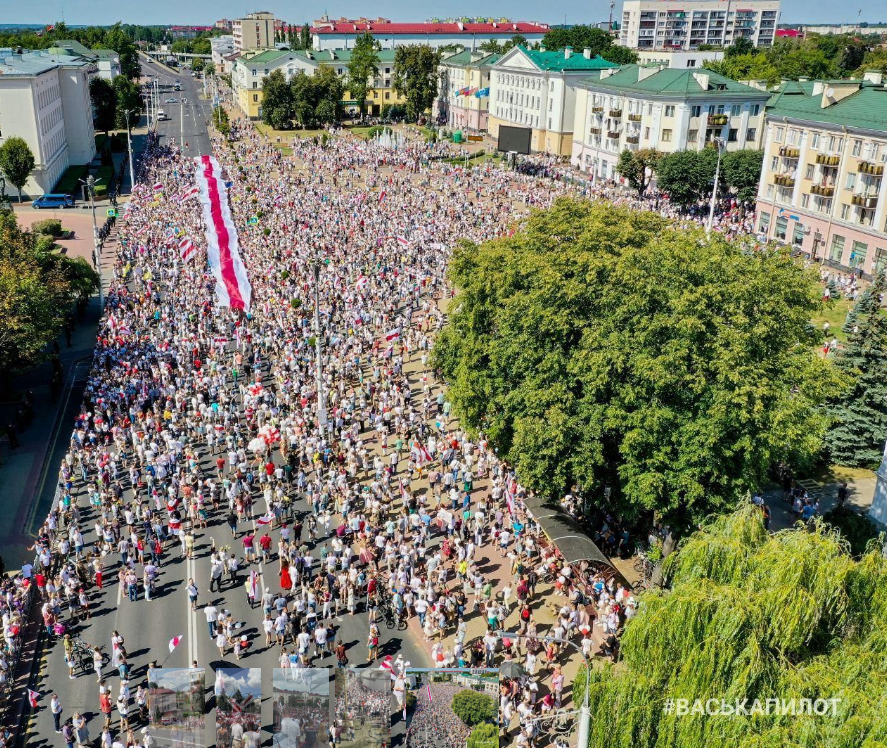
220	48
822	182
107	61
488	686
535	89
44	99
463	98
652	24
679	58
636	107
342	34
255	31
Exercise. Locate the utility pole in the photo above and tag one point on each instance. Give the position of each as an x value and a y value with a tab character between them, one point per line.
182	125
321	398
721	144
97	257
132	180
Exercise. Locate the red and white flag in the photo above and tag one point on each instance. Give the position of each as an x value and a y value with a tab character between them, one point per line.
187	249
193	192
404	494
382	195
361	282
392	334
158	187
233	288
403	241
33	696
266	520
174	642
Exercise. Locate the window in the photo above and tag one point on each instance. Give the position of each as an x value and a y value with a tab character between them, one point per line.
880	259
255	84
778	134
387	71
255	97
851	180
735	110
751	134
669	110
666	136
693	136
387	95
814	141
837	250
857	147
781	228
732	135
774	163
845	211
764	224
798	234
691	63
647	133
754	110
805	200
769	192
808	174
695	110
858	254
794	136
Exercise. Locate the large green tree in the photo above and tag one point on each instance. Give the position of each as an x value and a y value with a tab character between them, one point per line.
742	172
277	101
362	69
606	347
37	289
687	176
638	167
860	412
104	104
16	162
415	77
128	98
751	616
581	37
473	707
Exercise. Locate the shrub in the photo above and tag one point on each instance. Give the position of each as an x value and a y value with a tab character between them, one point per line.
50	226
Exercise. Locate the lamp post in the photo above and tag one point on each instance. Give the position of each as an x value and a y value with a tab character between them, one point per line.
97	256
585	710
132	180
721	144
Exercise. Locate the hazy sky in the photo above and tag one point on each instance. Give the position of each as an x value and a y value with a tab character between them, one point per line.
205	12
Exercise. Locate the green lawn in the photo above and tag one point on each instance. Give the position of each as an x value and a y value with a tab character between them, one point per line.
68	184
270	132
835	313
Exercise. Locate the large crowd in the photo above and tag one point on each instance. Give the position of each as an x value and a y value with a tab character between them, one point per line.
434	724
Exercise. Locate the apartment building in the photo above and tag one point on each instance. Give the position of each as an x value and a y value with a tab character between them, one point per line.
822	182
44	99
255	31
535	89
220	48
679	58
653	24
634	107
463	98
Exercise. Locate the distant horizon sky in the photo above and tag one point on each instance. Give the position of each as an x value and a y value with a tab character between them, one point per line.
206	12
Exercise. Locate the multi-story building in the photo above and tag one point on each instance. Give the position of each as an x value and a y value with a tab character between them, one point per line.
652	24
251	68
255	31
107	61
342	34
221	47
489	686
44	99
635	107
223	23
464	90
535	89
822	182
679	58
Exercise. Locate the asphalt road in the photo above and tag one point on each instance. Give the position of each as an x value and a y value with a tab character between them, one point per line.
148	626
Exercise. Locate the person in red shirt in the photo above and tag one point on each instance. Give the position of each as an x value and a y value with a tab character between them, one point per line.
265	543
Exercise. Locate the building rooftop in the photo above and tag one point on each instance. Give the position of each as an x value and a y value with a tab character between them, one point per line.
75	46
464	58
469	29
865	108
29	63
684	82
557	60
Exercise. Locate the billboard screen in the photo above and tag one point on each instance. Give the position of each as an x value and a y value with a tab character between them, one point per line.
514	139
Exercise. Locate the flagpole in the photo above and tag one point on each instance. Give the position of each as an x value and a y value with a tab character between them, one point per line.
321	398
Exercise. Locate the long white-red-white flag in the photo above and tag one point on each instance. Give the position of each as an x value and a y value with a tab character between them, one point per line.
174	642
232	284
186	249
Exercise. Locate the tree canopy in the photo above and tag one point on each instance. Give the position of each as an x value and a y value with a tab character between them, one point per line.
687	176
860	412
415	77
600	42
750	615
606	347
363	68
16	162
310	100
638	167
473	707
104	104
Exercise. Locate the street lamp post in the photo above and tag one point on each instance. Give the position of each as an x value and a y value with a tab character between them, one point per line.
721	144
132	180
182	125
97	256
585	710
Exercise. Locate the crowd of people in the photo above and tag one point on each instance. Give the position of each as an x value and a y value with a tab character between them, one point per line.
434	724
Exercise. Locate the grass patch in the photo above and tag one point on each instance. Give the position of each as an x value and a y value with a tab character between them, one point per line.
101	140
360	131
104	176
270	132
835	313
68	184
829	474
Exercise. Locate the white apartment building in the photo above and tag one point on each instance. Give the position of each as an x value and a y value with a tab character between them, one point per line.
44	99
255	31
534	89
636	107
653	24
679	58
220	48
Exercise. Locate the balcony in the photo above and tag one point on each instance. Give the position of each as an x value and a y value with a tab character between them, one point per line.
613	135
616	113
597	110
868	167
633	139
821	189
865	201
717	119
826	160
634	117
788	151
784	180
595	131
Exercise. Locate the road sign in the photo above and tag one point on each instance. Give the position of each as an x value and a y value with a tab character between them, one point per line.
253	221
112	213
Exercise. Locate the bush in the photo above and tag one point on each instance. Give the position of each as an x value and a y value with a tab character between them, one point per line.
50	226
854	528
118	144
473	707
484	736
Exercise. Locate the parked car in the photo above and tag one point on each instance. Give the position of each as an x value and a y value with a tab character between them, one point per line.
53	200
171	101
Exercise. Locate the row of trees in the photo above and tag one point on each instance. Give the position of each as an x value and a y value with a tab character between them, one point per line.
605	348
309	100
831	56
37	290
111	101
688	176
293	37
